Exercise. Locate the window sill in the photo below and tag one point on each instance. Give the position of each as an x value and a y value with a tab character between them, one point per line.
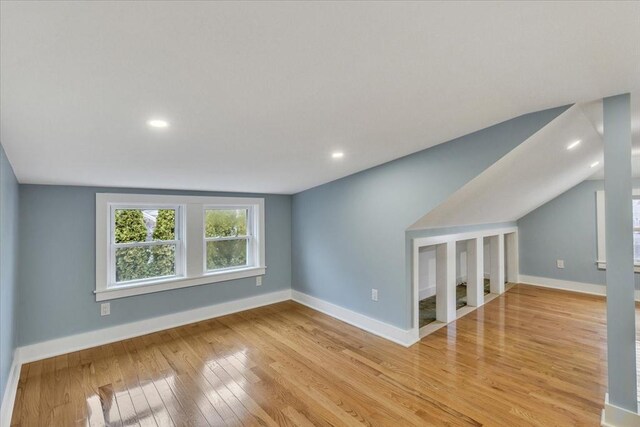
602	265
177	283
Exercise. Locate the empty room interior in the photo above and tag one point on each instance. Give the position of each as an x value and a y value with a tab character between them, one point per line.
318	213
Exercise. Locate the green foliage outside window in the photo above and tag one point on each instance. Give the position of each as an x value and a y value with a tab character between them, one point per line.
130	226
143	262
165	225
226	223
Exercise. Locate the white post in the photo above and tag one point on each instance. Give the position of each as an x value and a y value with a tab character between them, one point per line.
496	281
511	250
475	272
621	311
446	282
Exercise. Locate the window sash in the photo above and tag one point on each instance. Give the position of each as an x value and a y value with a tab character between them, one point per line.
249	237
222	239
250	221
114	284
113	207
153	243
178	242
250	256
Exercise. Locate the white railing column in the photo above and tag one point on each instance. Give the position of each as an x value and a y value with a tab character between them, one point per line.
475	272
511	251
496	281
446	282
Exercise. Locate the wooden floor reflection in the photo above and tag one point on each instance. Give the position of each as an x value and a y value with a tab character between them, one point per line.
531	357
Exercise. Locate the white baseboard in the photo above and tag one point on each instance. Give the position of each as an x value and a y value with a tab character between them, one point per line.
405	337
68	344
566	285
58	346
426	292
613	416
6	410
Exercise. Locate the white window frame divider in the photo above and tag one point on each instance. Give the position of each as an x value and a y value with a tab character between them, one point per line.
193	253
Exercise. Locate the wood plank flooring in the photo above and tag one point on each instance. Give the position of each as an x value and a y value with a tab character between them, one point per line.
533	356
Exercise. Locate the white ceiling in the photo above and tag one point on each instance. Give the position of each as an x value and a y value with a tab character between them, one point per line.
535	172
259	94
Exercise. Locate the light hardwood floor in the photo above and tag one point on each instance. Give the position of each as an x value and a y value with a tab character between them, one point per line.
531	357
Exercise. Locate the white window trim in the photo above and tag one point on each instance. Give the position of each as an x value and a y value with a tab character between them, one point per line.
252	232
601	261
192	217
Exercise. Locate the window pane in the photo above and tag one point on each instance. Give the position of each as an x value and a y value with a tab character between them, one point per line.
225	222
144	262
226	253
144	225
636	247
636	212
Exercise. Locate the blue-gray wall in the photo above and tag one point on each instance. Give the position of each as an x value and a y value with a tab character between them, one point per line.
564	228
349	235
8	267
57	265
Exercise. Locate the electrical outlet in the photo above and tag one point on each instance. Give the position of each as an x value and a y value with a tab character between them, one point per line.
560	263
374	294
258	280
105	309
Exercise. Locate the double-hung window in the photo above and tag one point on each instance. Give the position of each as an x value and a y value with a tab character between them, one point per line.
228	237
601	262
147	244
151	243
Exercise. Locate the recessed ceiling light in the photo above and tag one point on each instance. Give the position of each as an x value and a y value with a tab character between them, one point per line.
337	155
594	164
573	145
158	123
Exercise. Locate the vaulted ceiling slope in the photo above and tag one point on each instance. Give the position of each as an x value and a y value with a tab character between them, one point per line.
258	94
544	166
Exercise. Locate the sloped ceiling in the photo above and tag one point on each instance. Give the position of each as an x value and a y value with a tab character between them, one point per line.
538	170
259	94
